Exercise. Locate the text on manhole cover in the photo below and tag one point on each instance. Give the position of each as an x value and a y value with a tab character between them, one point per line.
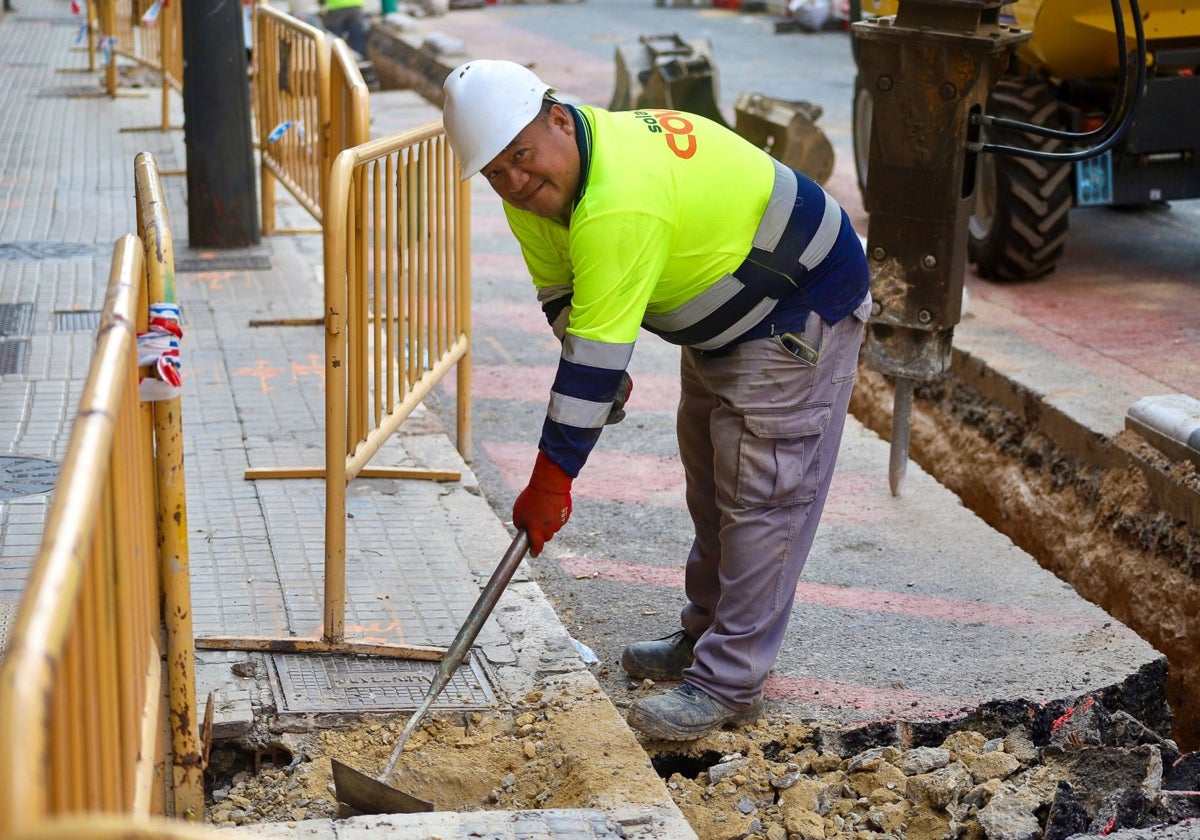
318	683
24	476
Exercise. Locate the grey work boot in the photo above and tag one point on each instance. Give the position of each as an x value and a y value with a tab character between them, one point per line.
684	714
660	659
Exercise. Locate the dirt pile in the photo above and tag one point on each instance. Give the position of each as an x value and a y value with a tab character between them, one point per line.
565	750
1096	772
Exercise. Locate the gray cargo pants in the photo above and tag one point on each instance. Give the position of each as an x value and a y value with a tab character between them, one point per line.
759	431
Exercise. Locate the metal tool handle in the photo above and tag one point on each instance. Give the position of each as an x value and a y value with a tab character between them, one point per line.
462	642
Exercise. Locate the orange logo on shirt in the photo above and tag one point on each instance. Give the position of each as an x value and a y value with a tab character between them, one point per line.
676	126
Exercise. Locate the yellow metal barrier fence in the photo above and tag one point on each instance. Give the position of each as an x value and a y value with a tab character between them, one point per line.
397	321
397	312
291	84
149	32
349	125
349	101
81	702
188	762
89	28
80	681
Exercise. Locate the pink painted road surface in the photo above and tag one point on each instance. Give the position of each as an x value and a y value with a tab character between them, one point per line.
657	481
651	391
839	597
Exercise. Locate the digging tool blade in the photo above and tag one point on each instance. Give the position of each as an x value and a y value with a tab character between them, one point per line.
373	794
368	795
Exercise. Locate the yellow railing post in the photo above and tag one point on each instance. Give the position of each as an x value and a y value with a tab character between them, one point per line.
349	104
187	763
108	38
462	256
337	229
170	56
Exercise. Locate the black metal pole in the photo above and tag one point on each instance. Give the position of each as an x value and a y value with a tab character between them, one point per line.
222	195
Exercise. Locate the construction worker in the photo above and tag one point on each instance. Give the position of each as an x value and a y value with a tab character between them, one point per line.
671	222
345	19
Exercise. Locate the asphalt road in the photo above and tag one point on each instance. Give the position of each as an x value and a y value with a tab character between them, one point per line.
624	511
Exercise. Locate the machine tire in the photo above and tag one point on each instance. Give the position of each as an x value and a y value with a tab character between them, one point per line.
1020	222
861	115
860	125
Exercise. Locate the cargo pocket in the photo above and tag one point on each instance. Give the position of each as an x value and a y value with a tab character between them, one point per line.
845	365
778	459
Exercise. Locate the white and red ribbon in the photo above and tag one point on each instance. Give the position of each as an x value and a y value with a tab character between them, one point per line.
158	348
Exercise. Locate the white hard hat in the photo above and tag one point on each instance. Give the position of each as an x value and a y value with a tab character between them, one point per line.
488	103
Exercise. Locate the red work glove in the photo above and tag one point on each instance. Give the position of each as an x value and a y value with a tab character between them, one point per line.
545	505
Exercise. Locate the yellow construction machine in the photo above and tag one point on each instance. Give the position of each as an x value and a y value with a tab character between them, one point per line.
1073	75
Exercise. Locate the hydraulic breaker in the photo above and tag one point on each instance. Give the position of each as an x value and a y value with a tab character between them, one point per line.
928	68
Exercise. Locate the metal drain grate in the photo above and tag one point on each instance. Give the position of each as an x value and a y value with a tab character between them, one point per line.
64	92
322	683
77	320
8	612
251	262
15	319
57	20
13	356
37	251
24	476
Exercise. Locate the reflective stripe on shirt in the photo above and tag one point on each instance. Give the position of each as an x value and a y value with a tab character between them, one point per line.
597	354
825	237
583	414
592	369
739	301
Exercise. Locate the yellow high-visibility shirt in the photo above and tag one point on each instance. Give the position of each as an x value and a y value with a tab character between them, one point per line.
669	207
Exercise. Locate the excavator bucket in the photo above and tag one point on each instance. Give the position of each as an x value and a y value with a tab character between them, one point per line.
664	71
787	130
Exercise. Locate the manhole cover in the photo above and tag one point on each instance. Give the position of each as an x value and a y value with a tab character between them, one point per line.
37	251
319	683
22	476
15	319
252	262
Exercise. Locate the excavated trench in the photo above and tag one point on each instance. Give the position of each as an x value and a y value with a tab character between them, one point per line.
1089	771
1100	529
